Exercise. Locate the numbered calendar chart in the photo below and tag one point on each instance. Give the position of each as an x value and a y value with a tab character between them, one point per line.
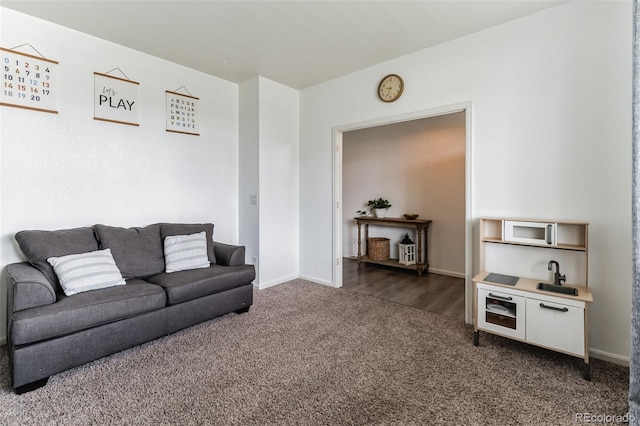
28	81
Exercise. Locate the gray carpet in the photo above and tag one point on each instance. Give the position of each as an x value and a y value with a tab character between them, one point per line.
307	354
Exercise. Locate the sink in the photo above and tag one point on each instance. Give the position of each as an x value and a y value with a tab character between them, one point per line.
558	289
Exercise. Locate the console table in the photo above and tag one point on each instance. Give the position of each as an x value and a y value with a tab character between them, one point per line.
420	227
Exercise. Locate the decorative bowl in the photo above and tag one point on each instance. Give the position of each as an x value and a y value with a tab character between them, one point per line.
411	216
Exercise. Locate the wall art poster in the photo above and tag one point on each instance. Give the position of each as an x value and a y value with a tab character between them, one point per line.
116	99
28	81
182	114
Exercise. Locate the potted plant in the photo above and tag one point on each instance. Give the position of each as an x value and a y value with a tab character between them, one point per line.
379	207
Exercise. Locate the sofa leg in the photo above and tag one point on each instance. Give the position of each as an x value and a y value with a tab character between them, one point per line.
31	386
243	310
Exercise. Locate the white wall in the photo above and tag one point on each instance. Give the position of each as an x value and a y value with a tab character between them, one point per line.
269	169
68	170
419	166
249	170
551	137
279	187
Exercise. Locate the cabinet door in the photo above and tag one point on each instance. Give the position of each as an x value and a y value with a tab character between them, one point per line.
501	312
555	326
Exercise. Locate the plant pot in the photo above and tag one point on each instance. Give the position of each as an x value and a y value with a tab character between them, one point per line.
380	213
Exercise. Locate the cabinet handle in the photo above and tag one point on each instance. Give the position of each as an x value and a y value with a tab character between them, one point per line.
553	308
549	229
500	297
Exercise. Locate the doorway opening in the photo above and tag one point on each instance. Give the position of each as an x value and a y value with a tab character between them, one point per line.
421	163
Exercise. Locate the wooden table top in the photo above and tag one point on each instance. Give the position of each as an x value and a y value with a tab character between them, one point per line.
392	220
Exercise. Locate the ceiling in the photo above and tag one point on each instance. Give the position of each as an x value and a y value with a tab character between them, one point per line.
296	43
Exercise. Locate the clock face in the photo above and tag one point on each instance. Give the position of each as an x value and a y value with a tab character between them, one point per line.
390	88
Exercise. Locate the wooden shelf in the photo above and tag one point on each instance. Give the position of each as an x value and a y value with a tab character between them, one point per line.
559	246
420	226
395	264
570	235
493	240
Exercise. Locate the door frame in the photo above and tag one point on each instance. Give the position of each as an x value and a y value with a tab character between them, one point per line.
337	147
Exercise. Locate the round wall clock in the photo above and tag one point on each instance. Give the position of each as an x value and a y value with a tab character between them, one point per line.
390	88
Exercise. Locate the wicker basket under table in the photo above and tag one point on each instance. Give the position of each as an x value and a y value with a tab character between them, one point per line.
378	248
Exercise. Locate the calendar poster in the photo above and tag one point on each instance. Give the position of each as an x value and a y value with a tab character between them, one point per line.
182	114
28	81
116	99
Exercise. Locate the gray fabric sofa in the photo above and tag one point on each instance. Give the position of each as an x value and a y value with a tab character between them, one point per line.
49	332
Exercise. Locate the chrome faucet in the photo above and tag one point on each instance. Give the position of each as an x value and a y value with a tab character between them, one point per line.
557	278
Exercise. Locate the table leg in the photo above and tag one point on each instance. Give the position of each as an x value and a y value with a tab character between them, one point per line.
419	241
426	247
359	243
366	238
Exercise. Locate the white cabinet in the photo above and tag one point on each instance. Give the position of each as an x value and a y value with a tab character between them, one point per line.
550	322
514	258
556	326
501	312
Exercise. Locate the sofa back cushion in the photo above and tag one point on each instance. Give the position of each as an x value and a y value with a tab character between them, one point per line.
38	246
137	251
171	229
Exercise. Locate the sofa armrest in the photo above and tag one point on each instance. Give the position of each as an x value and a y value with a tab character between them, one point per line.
228	255
27	288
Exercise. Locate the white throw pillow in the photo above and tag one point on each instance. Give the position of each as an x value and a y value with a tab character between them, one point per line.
86	271
183	252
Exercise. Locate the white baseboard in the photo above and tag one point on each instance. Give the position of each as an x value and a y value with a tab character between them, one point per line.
268	284
447	273
609	357
331	284
317	280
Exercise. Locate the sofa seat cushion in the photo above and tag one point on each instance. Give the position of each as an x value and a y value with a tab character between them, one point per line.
183	286
82	311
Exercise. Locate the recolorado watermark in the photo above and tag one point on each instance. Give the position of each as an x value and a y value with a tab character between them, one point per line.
604	418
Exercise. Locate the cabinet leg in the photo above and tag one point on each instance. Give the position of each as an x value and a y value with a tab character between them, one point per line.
476	338
586	371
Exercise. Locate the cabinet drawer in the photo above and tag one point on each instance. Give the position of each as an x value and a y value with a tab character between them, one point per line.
556	326
501	312
501	320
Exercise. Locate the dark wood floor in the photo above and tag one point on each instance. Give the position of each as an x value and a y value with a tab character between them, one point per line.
431	292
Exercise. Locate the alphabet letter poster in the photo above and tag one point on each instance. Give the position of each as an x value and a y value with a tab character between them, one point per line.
116	99
28	81
182	114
